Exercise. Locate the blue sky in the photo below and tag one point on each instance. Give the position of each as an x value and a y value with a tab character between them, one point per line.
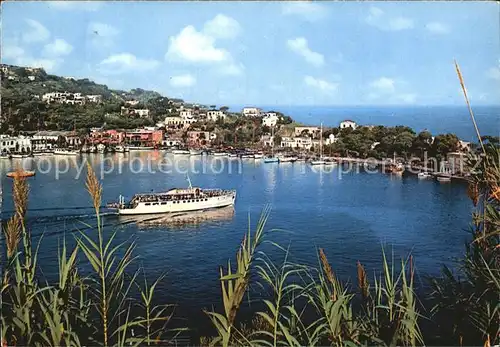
266	53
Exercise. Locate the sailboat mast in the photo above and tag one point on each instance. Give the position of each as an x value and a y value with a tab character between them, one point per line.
321	141
272	141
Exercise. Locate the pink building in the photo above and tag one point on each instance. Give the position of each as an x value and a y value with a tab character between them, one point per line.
107	137
144	137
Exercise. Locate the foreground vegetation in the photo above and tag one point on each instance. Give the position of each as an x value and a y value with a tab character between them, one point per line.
300	305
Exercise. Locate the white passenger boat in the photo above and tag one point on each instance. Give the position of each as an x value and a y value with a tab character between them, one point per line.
175	200
180	151
4	157
18	156
258	156
61	151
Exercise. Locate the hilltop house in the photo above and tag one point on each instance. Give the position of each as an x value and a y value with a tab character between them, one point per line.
348	124
303	130
331	139
135	111
251	112
215	115
270	119
97	98
132	102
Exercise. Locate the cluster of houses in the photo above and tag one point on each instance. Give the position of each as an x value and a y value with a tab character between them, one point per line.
70	98
306	137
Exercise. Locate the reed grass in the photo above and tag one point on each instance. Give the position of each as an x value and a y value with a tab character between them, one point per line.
297	305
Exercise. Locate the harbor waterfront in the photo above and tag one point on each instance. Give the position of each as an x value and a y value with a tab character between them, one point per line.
352	216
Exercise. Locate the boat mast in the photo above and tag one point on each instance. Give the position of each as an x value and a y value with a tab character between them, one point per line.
272	141
321	142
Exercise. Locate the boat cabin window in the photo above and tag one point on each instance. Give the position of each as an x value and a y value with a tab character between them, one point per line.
147	203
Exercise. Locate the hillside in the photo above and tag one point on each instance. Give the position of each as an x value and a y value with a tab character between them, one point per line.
23	109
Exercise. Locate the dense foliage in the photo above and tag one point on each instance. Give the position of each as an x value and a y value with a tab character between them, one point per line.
24	110
382	142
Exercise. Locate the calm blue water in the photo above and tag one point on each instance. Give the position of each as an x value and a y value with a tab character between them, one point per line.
350	216
436	119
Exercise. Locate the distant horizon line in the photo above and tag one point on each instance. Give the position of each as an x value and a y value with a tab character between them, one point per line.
353	105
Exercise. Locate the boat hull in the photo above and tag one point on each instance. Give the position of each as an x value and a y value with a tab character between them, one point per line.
318	162
271	160
202	203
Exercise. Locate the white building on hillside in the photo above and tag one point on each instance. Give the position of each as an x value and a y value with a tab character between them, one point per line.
186	113
215	115
348	124
97	98
20	144
131	102
331	139
297	142
251	112
141	112
270	119
267	140
301	131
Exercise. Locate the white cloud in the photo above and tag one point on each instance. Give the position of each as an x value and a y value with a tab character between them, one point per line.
233	69
311	11
182	81
320	84
383	85
437	28
201	47
126	62
494	73
386	90
65	5
36	33
191	45
12	52
18	56
222	27
57	48
47	64
299	45
380	20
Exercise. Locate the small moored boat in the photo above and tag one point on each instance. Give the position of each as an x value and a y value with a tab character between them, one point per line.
424	175
180	151
195	152
14	174
61	151
271	160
